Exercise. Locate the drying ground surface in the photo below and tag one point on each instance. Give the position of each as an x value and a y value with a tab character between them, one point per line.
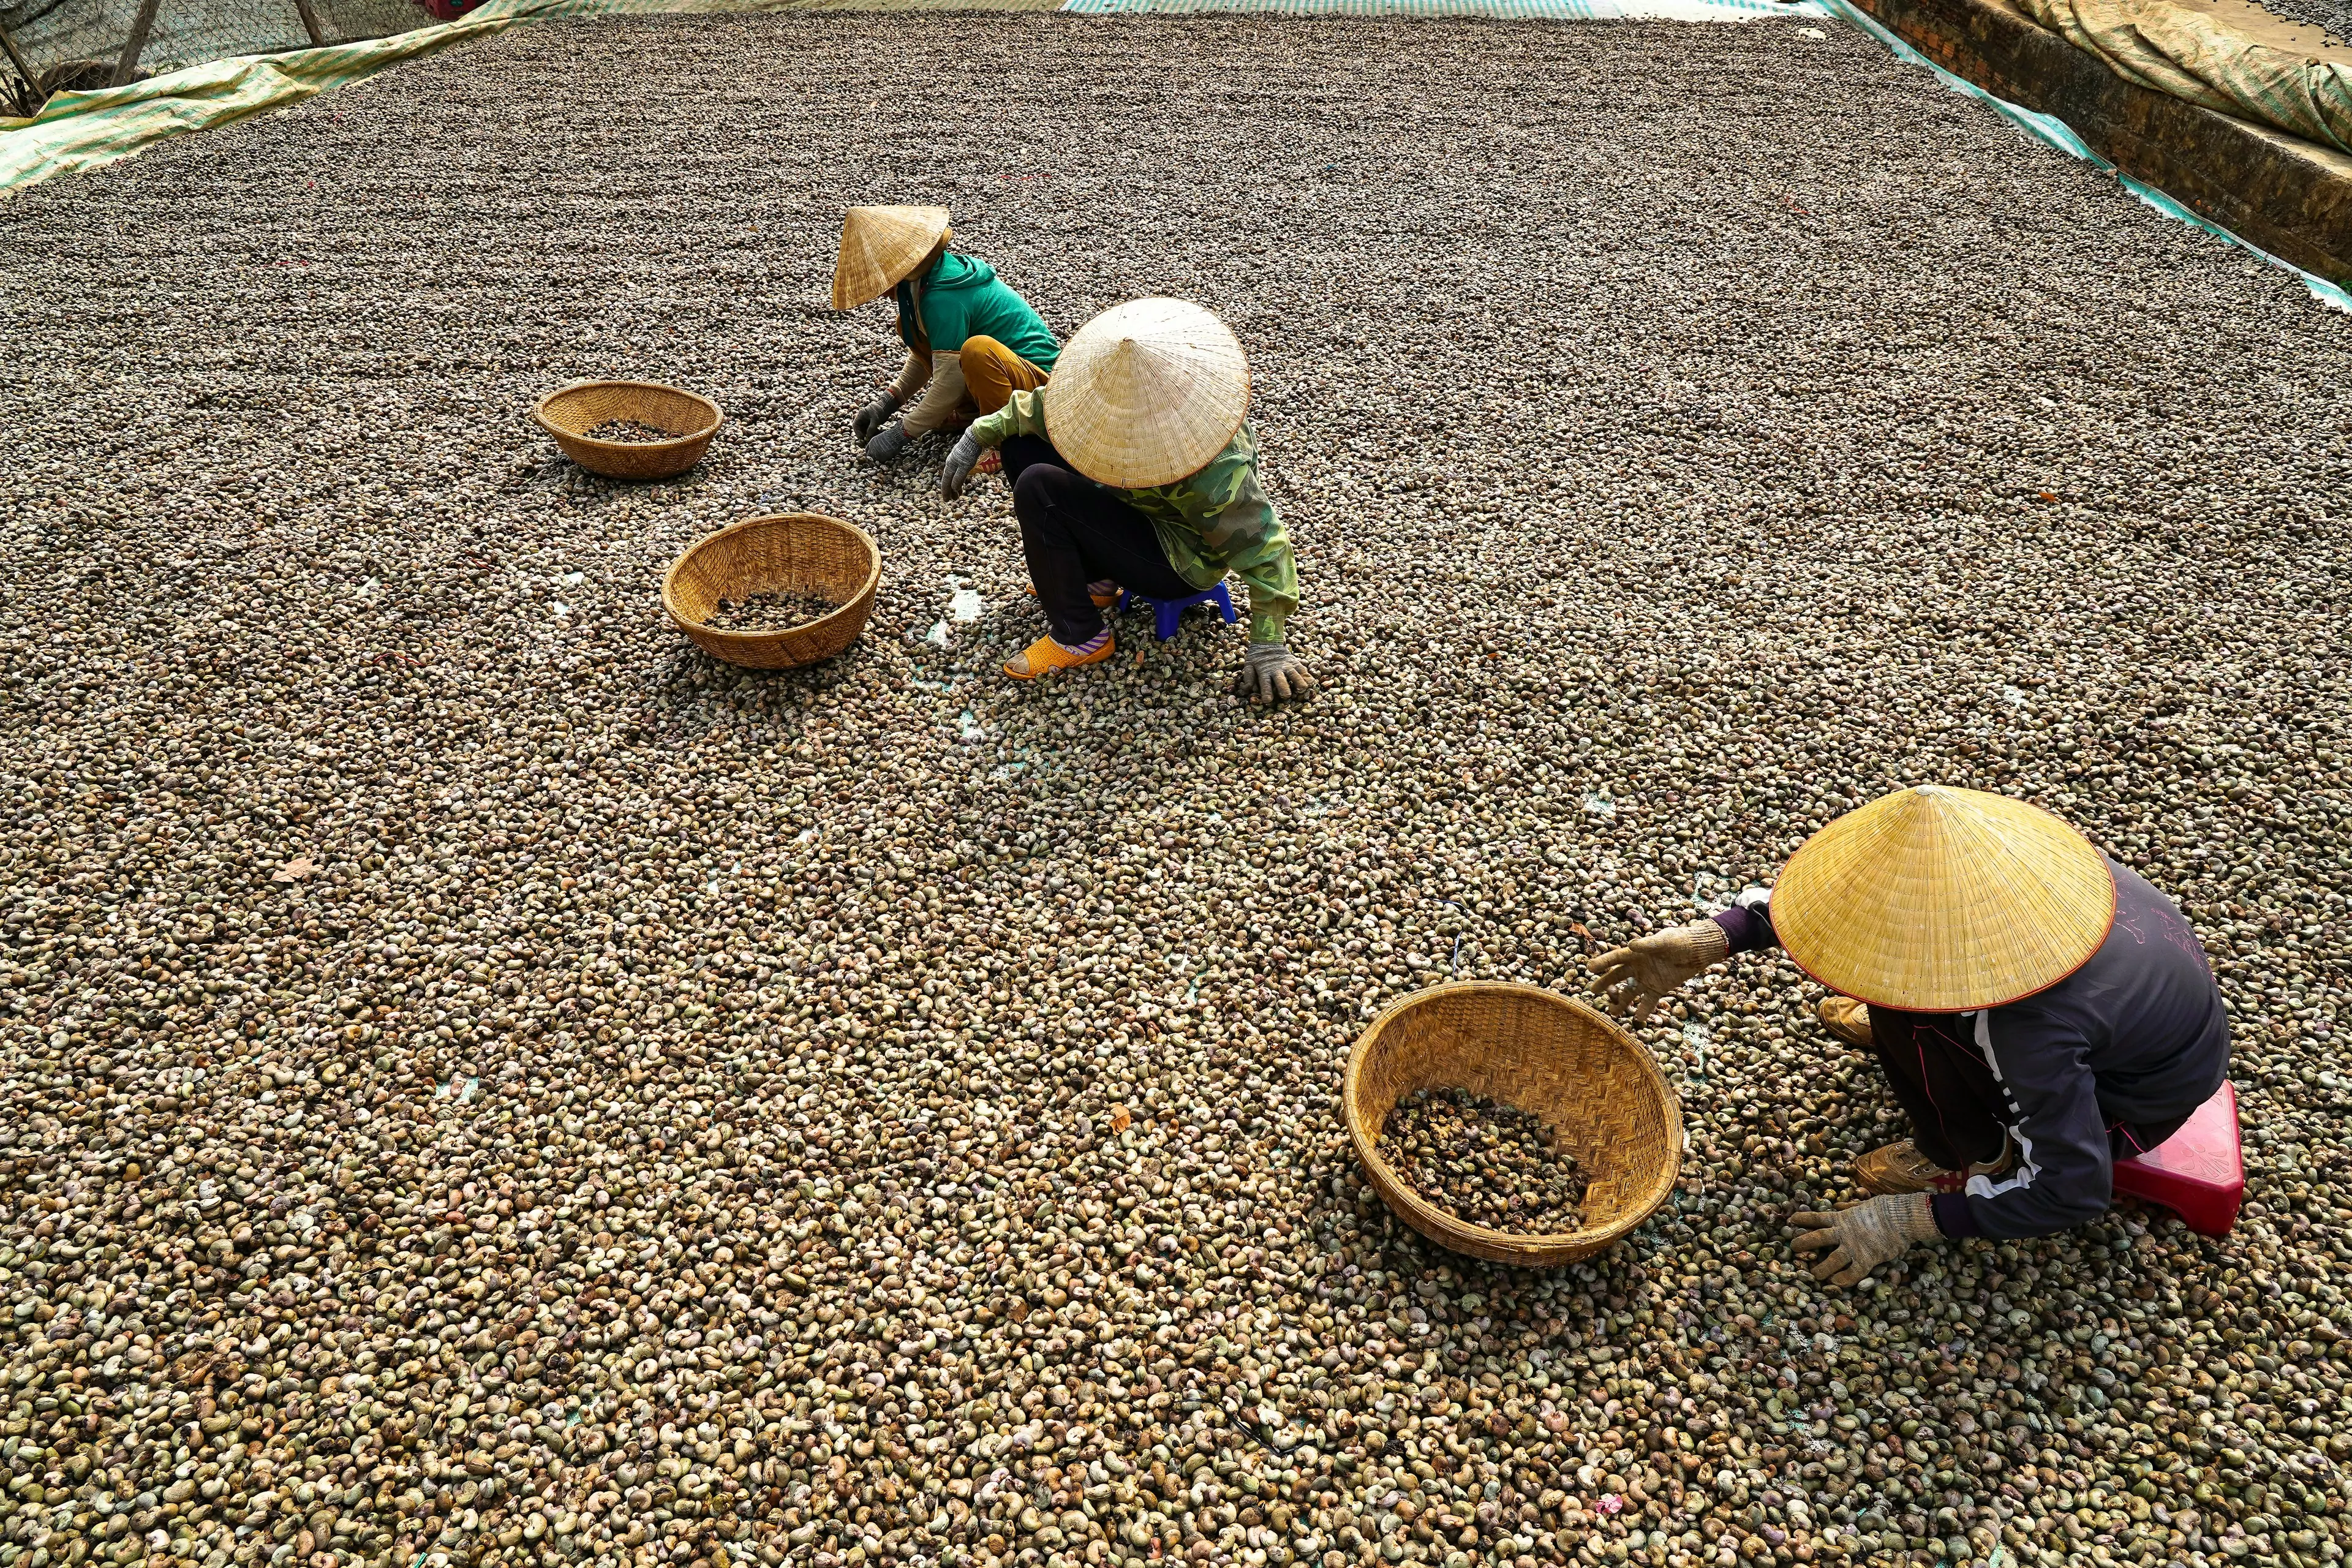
485	1083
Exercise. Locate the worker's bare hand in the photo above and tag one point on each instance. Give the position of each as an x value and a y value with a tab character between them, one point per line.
1633	977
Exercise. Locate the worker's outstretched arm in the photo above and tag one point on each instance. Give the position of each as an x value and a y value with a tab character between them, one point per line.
1024	413
1635	978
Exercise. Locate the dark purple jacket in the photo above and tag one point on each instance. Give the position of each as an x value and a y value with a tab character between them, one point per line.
2136	1036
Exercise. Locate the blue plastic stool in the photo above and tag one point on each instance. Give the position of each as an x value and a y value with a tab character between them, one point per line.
1167	613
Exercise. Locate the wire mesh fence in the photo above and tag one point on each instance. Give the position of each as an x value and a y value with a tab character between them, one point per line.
55	46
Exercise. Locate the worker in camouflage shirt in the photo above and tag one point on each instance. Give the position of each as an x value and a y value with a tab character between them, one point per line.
1164	503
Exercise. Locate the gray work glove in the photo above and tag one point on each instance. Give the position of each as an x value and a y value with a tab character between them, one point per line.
888	442
1637	975
1860	1238
870	417
1272	674
956	472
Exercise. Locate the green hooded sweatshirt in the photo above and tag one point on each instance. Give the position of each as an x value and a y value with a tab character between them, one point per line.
961	298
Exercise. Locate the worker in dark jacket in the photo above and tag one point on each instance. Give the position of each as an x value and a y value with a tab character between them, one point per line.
2040	1011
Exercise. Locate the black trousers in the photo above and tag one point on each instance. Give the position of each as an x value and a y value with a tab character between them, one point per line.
1958	1116
1074	533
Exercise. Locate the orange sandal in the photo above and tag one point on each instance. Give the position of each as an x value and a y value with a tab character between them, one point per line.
1046	653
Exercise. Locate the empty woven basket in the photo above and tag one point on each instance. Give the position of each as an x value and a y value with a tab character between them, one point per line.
797	552
1549	1054
692	420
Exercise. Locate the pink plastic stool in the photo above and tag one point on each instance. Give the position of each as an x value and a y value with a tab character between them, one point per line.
2199	1173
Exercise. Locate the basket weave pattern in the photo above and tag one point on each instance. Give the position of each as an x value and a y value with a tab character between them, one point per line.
880	246
794	552
692	420
1147	393
1933	900
1549	1054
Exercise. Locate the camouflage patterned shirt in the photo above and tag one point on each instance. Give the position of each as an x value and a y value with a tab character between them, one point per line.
1211	523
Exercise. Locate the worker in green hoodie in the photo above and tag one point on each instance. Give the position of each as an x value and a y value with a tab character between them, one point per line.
972	341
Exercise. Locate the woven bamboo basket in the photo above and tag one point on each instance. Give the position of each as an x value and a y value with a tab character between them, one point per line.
798	552
692	420
1549	1054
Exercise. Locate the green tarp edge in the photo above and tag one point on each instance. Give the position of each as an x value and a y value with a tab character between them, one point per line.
2049	128
77	131
2205	61
2061	135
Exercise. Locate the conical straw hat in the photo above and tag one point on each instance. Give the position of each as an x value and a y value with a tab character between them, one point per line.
1943	900
1147	393
878	246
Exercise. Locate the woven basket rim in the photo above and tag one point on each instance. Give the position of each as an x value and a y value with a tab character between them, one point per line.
1590	1238
539	415
872	581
